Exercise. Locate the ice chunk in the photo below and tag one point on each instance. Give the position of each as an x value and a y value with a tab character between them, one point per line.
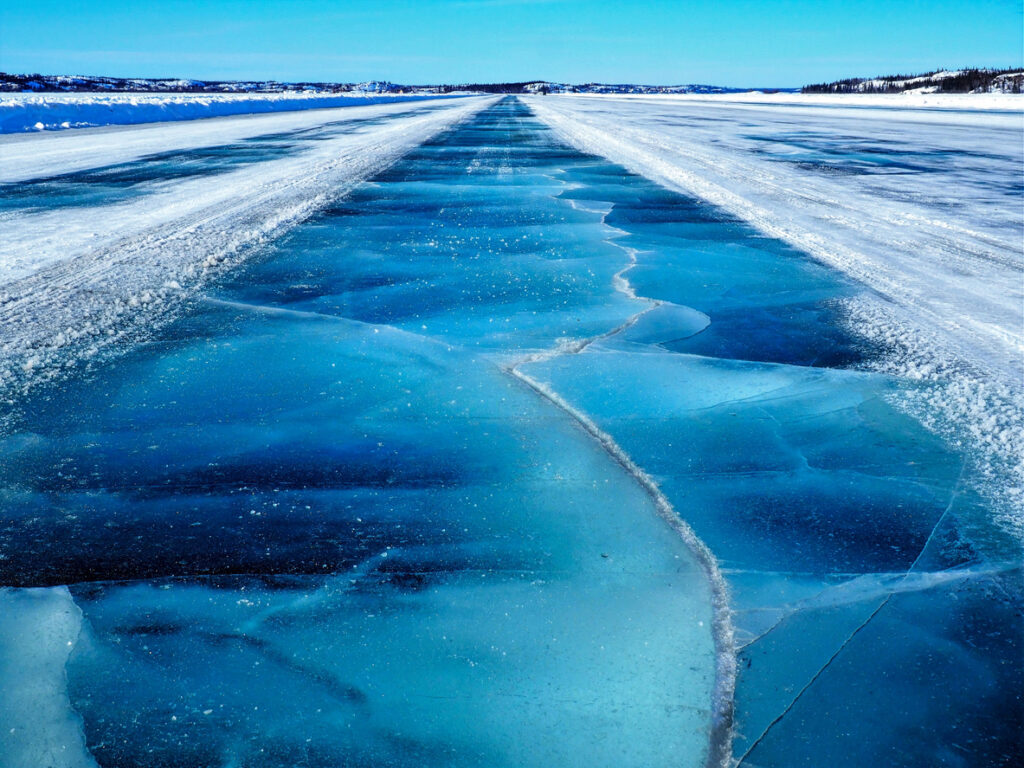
666	322
39	629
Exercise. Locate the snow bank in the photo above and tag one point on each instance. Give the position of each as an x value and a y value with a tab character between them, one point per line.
21	112
79	279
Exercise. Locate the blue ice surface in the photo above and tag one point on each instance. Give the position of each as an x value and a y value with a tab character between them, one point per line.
316	522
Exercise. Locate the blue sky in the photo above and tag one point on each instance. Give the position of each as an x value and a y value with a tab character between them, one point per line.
731	42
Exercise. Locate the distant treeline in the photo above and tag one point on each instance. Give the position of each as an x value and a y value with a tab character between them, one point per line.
942	81
37	83
64	83
485	87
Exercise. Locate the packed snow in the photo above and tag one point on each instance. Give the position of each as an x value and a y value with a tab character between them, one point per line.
37	155
958	106
20	112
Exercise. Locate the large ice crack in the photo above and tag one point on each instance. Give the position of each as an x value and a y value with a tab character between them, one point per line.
720	736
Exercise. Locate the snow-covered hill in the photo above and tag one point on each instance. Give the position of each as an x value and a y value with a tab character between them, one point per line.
940	81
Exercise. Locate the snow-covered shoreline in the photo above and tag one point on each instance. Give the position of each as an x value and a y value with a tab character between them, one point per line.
21	112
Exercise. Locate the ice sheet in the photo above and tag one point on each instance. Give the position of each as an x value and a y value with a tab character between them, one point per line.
39	629
468	463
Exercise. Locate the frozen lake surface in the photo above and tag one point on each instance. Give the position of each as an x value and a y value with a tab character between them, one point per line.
507	457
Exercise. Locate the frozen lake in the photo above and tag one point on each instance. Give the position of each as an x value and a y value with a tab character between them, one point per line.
508	457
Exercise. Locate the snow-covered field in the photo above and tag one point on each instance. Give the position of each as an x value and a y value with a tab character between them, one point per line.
71	273
917	196
1000	102
21	112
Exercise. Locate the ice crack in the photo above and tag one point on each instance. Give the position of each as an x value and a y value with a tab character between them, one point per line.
720	737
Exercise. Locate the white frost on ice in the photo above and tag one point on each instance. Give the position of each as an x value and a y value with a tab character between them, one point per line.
1001	102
